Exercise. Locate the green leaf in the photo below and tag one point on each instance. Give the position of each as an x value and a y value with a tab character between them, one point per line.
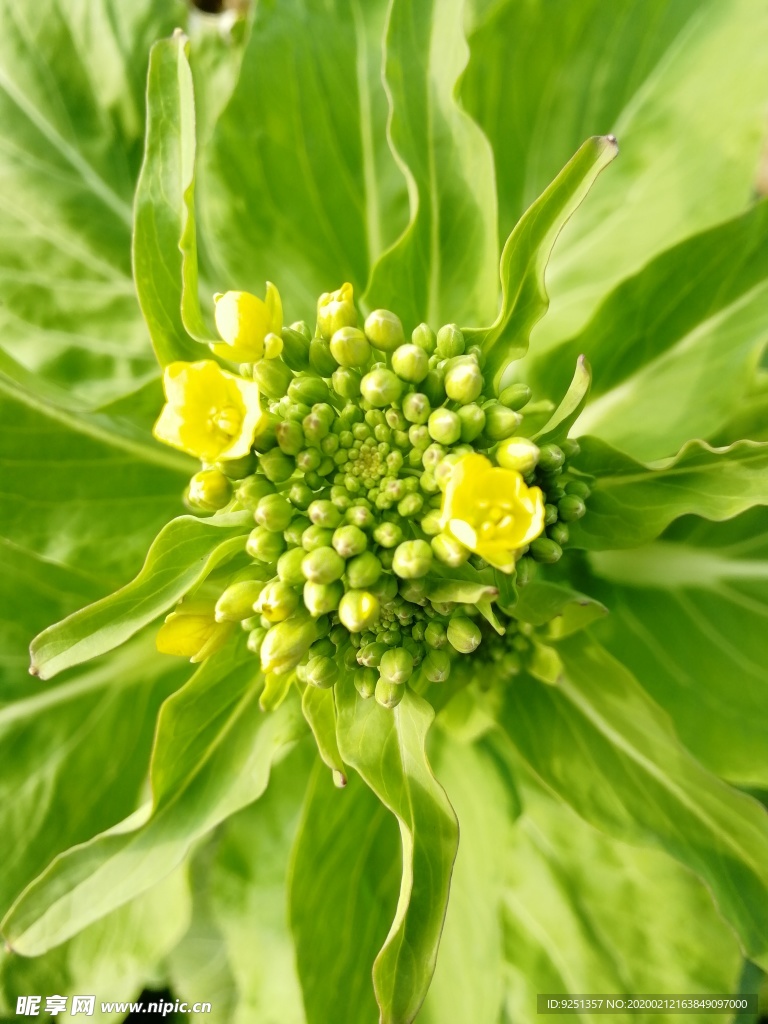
114	956
75	756
567	611
460	591
162	213
575	916
212	756
687	617
442	267
298	185
601	744
79	488
680	85
71	105
701	303
631	504
524	297
319	708
387	749
557	427
184	553
343	887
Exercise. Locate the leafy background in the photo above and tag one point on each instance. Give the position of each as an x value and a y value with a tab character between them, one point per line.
635	784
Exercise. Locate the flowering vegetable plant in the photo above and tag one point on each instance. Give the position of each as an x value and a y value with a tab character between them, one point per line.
470	564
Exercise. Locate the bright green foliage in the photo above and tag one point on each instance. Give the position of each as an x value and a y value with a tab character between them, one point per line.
286	846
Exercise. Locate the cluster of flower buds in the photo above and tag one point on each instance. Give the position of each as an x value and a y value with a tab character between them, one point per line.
391	490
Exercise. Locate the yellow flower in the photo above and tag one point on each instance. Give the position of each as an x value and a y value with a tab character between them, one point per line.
193	632
336	310
244	321
491	511
209	413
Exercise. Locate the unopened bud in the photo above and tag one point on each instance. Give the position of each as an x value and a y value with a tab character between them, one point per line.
444	426
410	363
463	634
435	635
320	358
413	558
316	537
545	550
286	644
250	492
450	341
449	551
437	666
579	488
274	512
388	694
396	665
323	565
571	508
388	534
363	570
570	447
384	330
324	513
381	387
365	682
277	601
308	389
551	458
277	466
336	310
425	338
559	533
463	380
272	376
433	386
290	437
289	566
526	568
322	598
360	516
517	453
500	422
238	600
349	541
516	396
296	347
358	610
371	654
209	490
349	347
472	422
255	639
321	672
264	545
346	382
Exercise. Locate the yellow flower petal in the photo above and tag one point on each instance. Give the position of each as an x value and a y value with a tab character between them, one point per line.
244	320
490	510
192	632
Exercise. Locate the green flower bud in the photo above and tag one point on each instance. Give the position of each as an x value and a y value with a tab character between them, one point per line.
295	348
323	565
272	376
365	682
238	600
360	516
388	534
358	610
472	420
433	386
444	426
463	379
425	338
209	490
363	571
545	550
516	396
559	533
518	453
554	491
526	569
450	341
322	672
381	387
309	459
302	327
396	665
289	566
500	422
290	437
384	330
320	358
371	654
237	469
571	507
550	514
264	545
550	458
416	408
286	644
464	635
437	666
579	488
346	382
413	558
277	601
277	466
410	505
252	490
388	694
430	524
300	495
410	363
255	639
293	535
316	537
349	541
449	551
570	447
308	389
274	512
349	347
293	411
322	598
435	634
324	513
273	345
